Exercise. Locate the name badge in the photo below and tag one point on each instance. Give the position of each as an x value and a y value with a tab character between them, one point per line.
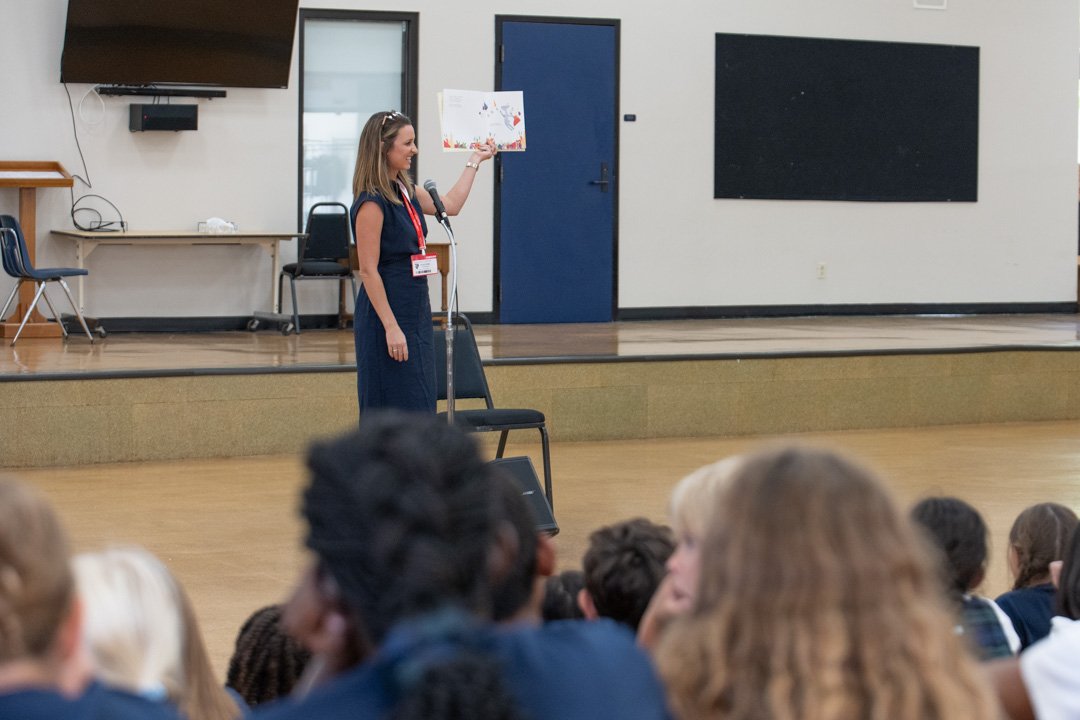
425	265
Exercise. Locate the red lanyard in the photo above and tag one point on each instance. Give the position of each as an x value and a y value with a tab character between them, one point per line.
414	217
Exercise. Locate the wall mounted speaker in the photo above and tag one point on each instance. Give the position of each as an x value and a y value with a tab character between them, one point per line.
164	117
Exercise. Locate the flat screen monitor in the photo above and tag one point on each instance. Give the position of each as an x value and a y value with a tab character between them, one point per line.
229	43
800	118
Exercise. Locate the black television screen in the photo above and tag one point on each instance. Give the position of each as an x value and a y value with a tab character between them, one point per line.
231	43
823	119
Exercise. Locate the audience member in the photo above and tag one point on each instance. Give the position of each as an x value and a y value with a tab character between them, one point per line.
406	518
528	557
1043	683
691	508
142	636
817	600
561	596
958	533
1036	539
623	566
316	617
41	675
266	663
1067	580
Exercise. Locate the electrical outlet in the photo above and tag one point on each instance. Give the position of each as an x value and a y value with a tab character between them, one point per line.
821	271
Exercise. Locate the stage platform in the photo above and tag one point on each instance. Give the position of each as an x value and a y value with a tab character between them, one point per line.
138	397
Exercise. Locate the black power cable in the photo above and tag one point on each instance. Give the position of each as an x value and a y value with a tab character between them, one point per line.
98	222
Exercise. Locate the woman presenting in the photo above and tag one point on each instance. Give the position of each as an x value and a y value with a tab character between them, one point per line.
395	360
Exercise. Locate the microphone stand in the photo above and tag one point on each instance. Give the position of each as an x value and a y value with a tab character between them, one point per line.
445	222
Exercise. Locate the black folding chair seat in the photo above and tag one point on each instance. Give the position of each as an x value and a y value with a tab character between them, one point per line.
321	268
499	418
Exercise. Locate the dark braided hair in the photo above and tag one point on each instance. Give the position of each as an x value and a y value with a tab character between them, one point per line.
401	515
266	662
513	589
1038	536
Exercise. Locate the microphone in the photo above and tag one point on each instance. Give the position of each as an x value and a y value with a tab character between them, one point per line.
440	209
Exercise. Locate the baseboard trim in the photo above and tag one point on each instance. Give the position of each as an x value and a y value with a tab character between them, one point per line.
764	311
225	323
206	324
317	322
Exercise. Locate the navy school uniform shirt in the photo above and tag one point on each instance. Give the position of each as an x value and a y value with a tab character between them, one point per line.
96	703
571	670
1030	610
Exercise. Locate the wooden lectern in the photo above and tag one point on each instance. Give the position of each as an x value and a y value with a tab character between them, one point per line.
28	176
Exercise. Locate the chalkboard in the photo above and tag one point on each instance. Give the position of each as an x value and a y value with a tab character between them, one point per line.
824	119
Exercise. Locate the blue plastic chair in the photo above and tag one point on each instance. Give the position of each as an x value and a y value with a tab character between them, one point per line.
16	262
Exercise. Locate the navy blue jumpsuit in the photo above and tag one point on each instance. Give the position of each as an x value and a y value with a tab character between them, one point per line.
381	381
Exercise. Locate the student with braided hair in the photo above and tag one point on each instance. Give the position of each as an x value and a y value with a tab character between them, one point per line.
1036	539
266	663
42	676
405	518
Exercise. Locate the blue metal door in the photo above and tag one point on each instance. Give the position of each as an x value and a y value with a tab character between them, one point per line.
557	201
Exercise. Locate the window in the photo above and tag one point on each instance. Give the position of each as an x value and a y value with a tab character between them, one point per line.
352	65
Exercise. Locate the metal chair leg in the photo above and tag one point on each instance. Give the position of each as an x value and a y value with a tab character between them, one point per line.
295	312
547	466
341	304
37	296
502	441
56	315
78	312
11	297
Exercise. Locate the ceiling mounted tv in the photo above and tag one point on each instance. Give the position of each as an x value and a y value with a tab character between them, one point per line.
233	43
800	118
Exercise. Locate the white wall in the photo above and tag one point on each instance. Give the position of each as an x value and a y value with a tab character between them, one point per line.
1016	245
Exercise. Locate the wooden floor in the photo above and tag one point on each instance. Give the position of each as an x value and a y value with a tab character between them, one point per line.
230	531
229	527
232	352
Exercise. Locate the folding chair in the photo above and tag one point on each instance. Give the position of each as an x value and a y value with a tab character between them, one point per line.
471	383
329	235
16	262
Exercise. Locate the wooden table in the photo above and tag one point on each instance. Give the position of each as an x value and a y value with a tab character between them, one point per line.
442	259
442	254
87	242
28	176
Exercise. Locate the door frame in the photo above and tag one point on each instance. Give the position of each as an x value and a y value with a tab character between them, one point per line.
616	25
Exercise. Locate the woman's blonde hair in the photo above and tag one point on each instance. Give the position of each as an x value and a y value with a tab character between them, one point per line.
817	601
141	633
695	496
36	587
371	173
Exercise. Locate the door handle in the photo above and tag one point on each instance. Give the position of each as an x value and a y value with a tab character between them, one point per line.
603	182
